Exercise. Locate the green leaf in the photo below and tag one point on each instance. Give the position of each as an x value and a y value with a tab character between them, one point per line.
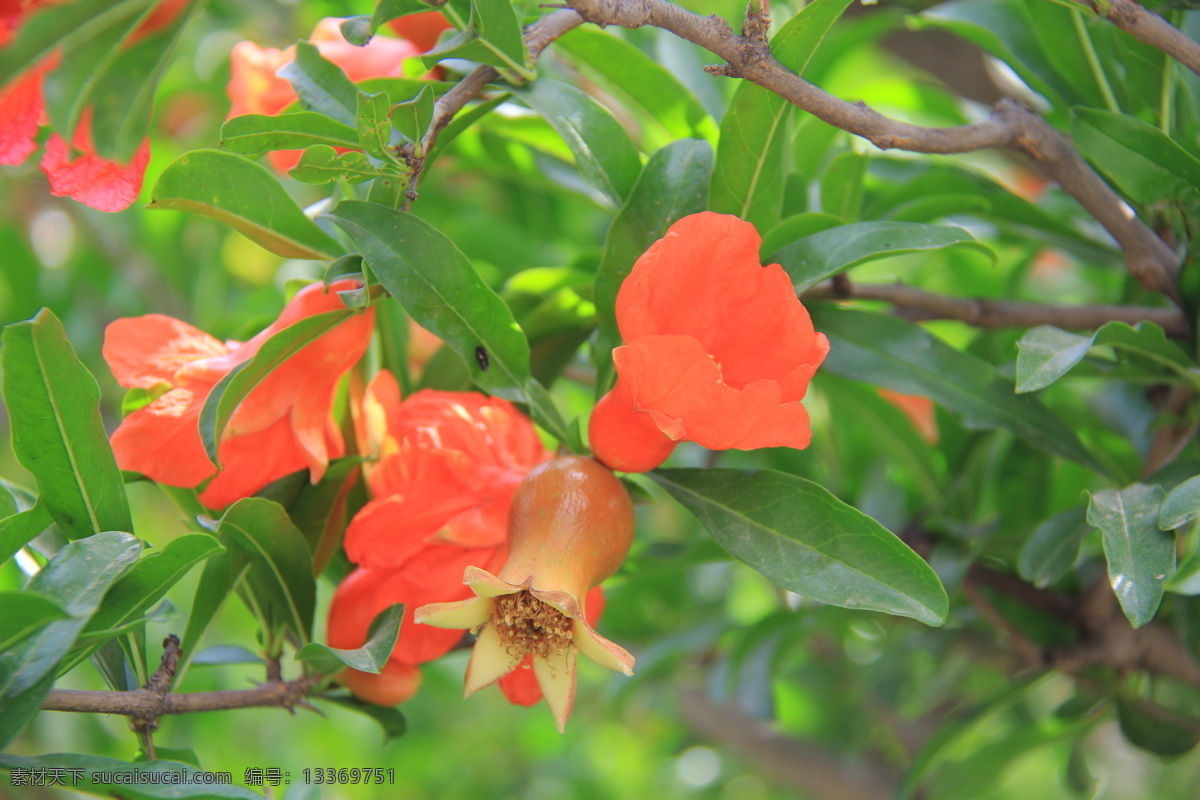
77	579
440	289
673	184
252	134
883	350
390	719
1181	506
145	584
237	385
371	657
1052	549
62	27
748	175
822	255
16	530
280	576
374	127
604	156
491	35
245	196
653	90
24	614
57	434
1046	353
412	118
388	10
321	85
92	769
1156	729
842	185
1140	556
322	164
795	227
803	538
1141	160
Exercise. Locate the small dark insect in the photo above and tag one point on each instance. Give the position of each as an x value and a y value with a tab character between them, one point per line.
481	357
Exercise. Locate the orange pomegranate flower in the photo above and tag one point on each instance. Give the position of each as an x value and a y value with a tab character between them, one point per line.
283	425
570	527
448	465
255	88
718	350
74	170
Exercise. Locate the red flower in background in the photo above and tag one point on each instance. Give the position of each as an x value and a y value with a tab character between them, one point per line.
283	425
718	350
255	88
448	465
74	170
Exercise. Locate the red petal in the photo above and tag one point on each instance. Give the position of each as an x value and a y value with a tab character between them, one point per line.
703	279
145	351
389	531
94	181
162	440
248	463
520	686
20	113
624	438
679	386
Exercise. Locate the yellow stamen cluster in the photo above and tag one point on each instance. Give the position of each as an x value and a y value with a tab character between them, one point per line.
527	625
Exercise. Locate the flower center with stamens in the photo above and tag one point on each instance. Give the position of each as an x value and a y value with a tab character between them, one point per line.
528	625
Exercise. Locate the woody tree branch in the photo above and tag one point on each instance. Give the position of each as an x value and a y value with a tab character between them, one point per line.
1010	126
1148	28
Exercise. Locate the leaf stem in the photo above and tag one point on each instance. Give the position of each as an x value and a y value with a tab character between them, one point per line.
1089	51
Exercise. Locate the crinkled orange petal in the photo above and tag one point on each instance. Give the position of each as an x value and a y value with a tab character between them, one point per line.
94	181
21	109
143	352
624	438
680	387
250	462
703	279
388	531
162	440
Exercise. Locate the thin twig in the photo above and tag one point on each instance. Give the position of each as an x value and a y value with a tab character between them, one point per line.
145	703
918	304
1149	28
1010	125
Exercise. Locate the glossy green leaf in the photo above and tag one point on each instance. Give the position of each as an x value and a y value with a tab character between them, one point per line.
604	155
653	89
25	613
146	582
842	185
1141	160
371	657
280	576
1052	549
1046	353
889	352
321	85
1140	556
1156	729
322	164
673	184
247	197
796	227
236	386
77	579
822	255
93	769
57	434
252	134
803	538
16	530
1181	506
440	289
412	118
748	175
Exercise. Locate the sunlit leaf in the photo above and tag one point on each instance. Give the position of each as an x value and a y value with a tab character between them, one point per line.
1140	556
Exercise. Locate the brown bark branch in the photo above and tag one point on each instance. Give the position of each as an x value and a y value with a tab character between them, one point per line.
1010	125
149	704
1149	28
918	304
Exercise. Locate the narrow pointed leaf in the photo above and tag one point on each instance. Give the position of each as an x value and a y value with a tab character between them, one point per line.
1140	556
371	657
25	612
77	578
1047	353
57	434
245	196
321	85
17	530
803	538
